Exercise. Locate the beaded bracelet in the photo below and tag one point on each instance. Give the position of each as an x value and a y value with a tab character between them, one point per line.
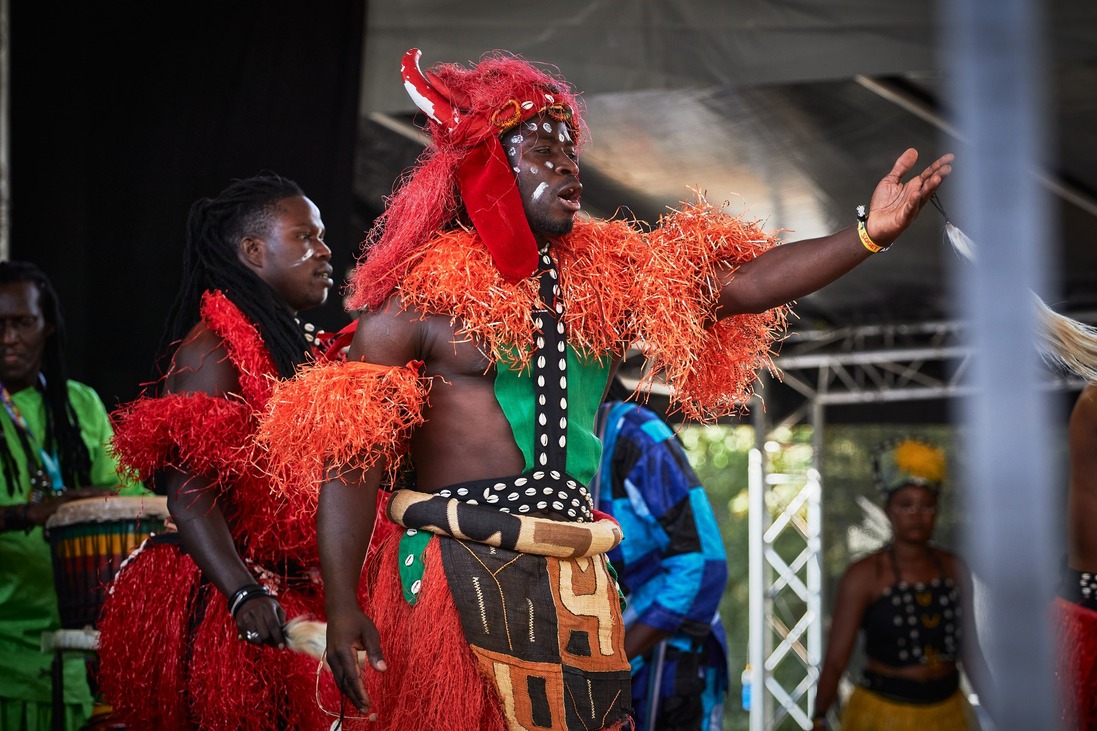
862	232
243	594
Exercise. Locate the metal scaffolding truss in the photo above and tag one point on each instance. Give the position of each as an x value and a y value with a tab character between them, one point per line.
785	595
883	363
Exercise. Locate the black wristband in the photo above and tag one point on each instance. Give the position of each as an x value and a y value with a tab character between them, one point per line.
244	594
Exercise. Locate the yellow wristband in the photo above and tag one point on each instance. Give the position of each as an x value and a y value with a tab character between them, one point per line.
866	240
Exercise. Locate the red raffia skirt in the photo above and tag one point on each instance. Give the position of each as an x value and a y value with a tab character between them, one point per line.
1076	629
170	657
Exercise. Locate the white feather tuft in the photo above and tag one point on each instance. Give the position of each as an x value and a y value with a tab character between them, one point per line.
1067	343
960	241
307	636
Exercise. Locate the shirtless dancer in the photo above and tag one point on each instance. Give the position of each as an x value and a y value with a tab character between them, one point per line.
494	317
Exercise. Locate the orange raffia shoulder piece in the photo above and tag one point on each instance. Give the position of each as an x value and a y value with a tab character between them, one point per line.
711	369
597	275
344	414
454	276
191	432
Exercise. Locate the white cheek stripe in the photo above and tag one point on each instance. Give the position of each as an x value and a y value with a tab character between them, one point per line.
309	253
540	191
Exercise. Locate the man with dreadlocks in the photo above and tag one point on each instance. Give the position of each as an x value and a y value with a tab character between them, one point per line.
192	633
53	450
493	321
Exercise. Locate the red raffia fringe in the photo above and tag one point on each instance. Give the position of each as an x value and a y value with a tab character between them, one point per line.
195	432
343	414
170	657
245	346
1076	628
143	653
621	286
433	680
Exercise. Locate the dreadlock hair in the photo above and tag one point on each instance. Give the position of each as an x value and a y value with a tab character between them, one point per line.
215	227
62	425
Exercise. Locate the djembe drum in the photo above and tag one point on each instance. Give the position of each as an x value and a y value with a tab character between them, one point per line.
89	540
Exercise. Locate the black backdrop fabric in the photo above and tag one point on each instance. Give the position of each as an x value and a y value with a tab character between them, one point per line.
123	114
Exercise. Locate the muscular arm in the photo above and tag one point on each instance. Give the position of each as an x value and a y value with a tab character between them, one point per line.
346	513
854	594
1082	495
201	364
790	271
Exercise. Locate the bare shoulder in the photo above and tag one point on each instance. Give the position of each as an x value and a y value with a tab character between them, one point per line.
388	335
863	573
201	364
864	567
396	333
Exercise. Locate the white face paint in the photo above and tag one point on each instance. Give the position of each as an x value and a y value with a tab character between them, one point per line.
516	140
540	191
512	151
547	127
565	136
531	126
310	252
549	165
533	170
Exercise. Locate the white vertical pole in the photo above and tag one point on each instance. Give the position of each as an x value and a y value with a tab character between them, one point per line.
759	629
815	546
994	66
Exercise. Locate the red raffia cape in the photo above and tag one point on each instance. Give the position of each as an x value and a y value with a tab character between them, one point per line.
169	653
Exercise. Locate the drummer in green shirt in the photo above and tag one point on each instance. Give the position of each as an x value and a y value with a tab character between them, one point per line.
53	450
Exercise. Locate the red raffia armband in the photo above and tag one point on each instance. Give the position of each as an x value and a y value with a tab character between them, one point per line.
712	367
192	432
343	414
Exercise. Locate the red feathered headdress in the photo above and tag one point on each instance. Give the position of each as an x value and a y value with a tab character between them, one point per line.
467	109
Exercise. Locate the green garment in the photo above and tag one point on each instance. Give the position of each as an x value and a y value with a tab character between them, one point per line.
28	602
587	378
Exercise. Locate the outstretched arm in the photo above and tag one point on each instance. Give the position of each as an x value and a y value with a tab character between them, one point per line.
790	271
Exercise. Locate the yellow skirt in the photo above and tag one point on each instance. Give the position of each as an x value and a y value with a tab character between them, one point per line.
867	711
